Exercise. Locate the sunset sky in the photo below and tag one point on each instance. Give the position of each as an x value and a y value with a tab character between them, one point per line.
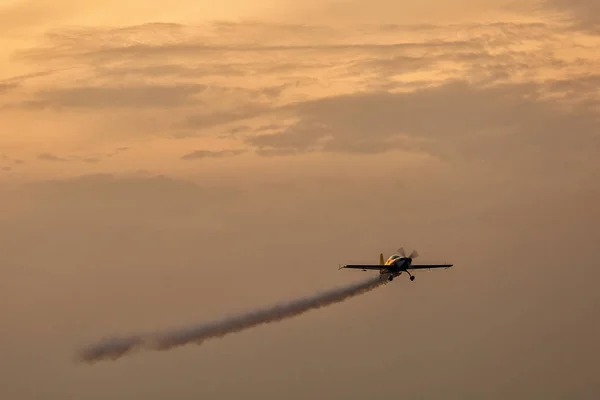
166	163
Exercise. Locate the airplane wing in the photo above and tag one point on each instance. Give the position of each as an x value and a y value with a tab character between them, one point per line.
429	266
364	266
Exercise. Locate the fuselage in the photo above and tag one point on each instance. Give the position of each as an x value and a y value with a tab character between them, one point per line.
394	266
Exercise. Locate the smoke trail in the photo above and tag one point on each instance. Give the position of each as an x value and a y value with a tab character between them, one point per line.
118	347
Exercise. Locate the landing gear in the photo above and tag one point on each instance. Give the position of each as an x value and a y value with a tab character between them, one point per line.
391	278
412	278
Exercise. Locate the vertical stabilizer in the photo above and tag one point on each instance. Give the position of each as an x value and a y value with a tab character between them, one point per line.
381	262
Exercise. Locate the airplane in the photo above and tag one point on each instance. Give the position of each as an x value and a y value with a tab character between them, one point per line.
396	265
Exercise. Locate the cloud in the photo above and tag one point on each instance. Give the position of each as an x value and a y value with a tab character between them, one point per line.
175	70
578	86
152	96
142	49
5	87
584	14
182	81
138	53
207	120
50	157
54	158
298	56
14	161
303	136
456	120
202	154
91	52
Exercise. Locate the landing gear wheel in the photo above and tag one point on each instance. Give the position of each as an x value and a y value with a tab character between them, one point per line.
391	278
412	278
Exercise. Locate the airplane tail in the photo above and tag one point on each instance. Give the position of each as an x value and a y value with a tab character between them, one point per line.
381	262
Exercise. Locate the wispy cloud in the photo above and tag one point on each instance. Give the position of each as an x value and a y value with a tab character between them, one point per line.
471	122
5	87
202	154
583	14
360	89
55	158
50	157
117	97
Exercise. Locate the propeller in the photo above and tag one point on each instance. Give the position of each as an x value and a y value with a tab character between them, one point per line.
412	255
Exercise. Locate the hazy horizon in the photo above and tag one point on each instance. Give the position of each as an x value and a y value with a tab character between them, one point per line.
163	165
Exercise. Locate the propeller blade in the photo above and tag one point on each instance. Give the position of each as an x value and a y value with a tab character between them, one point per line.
414	254
401	252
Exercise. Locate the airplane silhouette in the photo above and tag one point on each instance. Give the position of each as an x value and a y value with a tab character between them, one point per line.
396	265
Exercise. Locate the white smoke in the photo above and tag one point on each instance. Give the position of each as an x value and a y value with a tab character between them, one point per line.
117	347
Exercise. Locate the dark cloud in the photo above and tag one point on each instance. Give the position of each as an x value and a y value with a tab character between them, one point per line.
396	64
50	157
117	151
54	158
125	96
278	151
584	14
18	80
238	129
268	127
208	120
267	30
181	71
135	51
455	120
144	172
578	86
5	87
202	154
304	136
14	161
135	47
494	65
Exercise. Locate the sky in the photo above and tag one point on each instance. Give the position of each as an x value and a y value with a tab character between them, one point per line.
166	164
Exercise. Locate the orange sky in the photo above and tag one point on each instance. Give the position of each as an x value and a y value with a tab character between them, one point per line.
163	164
